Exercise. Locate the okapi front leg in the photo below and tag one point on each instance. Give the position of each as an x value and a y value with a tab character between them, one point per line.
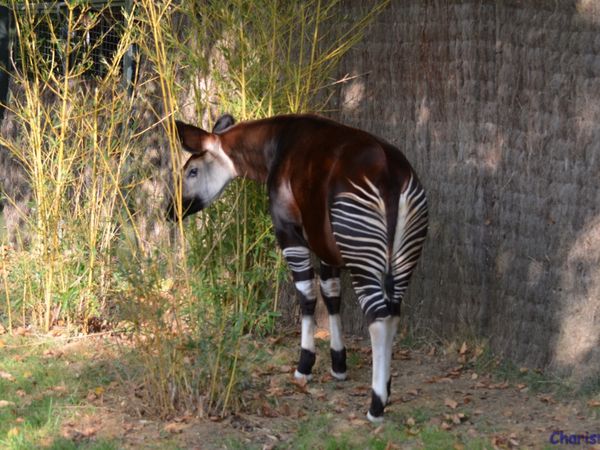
298	259
330	290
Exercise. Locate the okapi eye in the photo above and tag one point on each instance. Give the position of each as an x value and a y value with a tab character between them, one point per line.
192	173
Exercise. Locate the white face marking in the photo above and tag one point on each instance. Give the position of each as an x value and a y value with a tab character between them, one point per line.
308	333
206	176
331	287
335	331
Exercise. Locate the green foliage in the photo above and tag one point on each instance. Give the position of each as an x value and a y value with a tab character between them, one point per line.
194	293
72	148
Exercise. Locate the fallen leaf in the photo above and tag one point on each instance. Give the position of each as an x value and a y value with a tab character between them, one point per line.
89	431
285	369
61	389
547	399
13	432
284	410
463	348
403	355
49	353
21	331
360	390
322	334
450	403
412	431
6	376
439	380
446	426
410	422
174	427
267	411
593	403
6	403
301	384
326	377
319	394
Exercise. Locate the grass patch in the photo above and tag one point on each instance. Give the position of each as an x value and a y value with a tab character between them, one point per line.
41	388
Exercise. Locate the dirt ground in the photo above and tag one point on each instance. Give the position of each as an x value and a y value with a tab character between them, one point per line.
455	397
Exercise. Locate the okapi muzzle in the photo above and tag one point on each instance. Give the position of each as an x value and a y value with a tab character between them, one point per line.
335	192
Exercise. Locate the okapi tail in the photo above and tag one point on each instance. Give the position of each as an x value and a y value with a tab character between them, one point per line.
409	237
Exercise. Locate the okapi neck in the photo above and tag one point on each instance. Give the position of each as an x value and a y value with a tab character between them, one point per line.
249	148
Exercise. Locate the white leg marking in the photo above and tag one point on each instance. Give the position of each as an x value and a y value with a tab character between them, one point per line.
374	419
380	332
308	333
307	288
302	376
335	331
336	341
331	287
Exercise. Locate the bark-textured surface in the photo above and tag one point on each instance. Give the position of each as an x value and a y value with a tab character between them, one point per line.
497	105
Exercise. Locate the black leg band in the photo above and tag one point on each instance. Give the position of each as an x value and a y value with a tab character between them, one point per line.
338	360
307	361
333	304
376	409
389	390
307	307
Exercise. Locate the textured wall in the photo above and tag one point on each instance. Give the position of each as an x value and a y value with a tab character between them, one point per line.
497	104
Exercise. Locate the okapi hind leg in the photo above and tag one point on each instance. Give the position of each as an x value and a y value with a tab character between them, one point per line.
330	290
360	229
382	333
298	259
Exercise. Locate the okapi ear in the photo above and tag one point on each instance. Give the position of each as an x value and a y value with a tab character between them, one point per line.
222	123
191	137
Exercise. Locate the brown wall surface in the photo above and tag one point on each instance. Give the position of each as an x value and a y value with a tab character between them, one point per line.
497	105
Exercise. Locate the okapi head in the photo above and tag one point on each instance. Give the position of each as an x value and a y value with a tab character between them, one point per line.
208	171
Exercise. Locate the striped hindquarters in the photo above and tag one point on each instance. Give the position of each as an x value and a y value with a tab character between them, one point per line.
409	237
359	226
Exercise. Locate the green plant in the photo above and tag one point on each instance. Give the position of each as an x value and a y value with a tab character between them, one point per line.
193	293
73	150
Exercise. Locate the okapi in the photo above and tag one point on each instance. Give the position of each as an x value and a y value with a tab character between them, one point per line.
342	193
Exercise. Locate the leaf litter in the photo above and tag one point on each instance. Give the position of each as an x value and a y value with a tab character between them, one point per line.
431	389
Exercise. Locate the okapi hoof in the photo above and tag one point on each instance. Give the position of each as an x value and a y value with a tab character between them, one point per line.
302	376
338	376
372	419
375	413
